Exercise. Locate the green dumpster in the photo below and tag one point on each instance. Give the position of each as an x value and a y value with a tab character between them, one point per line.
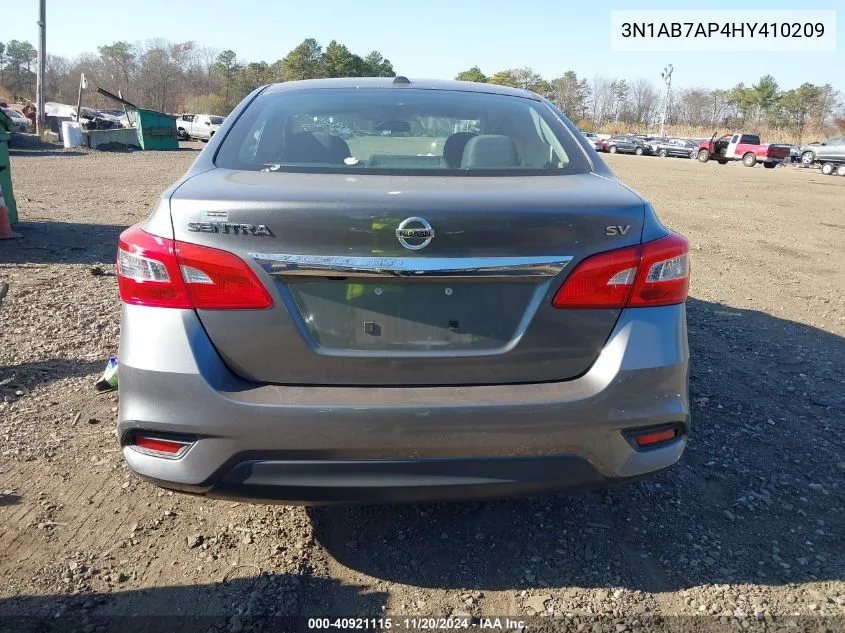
156	130
6	168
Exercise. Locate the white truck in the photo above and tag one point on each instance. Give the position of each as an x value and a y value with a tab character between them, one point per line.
197	126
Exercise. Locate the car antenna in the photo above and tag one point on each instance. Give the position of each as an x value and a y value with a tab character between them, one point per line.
401	80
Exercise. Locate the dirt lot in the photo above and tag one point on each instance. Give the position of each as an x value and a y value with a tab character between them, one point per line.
749	527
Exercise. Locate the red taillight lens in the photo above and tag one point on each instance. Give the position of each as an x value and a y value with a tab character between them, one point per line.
651	274
156	271
600	281
168	448
147	271
663	276
217	280
656	437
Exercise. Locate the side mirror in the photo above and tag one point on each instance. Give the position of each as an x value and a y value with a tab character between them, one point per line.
208	122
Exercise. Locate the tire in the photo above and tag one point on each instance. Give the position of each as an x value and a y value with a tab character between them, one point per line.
639	151
828	168
840	171
749	160
612	149
770	165
703	155
693	154
180	133
808	158
663	153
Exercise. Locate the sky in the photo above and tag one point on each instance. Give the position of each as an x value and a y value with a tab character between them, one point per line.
428	38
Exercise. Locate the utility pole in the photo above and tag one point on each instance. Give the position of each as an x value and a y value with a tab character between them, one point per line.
667	79
42	52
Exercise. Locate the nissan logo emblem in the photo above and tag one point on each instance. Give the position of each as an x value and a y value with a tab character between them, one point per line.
414	233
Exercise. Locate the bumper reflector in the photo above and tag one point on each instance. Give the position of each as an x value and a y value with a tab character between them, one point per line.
160	446
651	438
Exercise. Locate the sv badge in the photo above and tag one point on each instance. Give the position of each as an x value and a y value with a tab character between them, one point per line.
617	230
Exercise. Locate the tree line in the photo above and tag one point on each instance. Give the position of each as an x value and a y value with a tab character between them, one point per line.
620	104
176	77
188	77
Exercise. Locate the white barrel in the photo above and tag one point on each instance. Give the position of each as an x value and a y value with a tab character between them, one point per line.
71	134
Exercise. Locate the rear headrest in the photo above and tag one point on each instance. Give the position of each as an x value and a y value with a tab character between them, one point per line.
491	151
453	148
316	147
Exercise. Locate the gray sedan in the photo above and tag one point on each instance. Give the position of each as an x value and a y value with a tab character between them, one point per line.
831	150
458	299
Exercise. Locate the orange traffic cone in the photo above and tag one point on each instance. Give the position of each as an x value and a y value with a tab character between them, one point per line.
6	232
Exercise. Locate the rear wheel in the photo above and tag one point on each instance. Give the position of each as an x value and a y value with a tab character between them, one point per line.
770	165
703	155
612	149
693	154
749	160
808	158
663	153
840	171
181	134
827	169
639	151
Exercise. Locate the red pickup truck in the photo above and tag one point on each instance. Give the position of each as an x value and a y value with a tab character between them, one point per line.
744	147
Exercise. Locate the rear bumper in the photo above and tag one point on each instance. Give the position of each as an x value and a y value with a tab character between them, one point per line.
324	482
372	444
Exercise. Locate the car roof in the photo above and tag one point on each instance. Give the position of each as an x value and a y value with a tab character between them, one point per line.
388	82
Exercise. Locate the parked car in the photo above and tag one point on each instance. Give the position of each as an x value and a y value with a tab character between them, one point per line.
198	126
794	153
293	332
20	123
627	145
744	147
830	151
674	147
594	139
119	116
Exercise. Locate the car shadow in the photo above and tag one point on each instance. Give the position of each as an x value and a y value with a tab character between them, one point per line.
757	497
269	602
51	242
9	499
44	372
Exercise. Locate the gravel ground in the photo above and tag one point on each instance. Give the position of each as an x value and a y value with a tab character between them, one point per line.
747	531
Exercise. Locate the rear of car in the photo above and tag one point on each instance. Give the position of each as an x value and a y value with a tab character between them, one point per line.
372	290
20	123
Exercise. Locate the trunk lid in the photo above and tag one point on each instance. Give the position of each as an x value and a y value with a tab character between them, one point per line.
353	306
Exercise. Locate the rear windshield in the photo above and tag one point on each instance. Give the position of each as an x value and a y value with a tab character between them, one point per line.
408	131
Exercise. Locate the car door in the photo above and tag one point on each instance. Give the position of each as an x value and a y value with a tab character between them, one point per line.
834	149
202	126
730	152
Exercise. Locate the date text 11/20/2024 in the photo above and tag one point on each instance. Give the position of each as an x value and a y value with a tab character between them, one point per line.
417	623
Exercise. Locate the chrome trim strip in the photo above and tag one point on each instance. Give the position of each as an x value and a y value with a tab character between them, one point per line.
485	268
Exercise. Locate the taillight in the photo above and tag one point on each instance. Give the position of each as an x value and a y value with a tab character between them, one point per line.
601	281
650	274
217	280
147	271
663	275
156	271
